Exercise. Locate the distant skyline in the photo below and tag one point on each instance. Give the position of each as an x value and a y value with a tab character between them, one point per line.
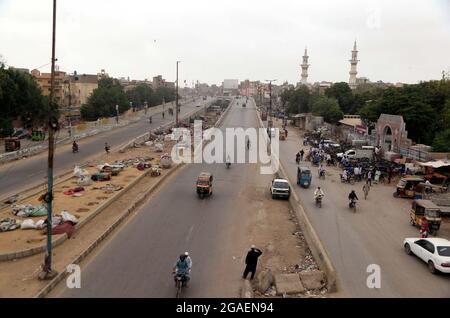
398	41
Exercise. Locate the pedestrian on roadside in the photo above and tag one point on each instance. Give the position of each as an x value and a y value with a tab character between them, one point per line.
106	147
302	152
366	189
389	175
286	132
251	260
369	178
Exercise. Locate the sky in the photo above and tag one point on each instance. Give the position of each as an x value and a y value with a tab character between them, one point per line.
398	41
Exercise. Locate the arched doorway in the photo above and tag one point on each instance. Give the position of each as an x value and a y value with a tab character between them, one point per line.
387	139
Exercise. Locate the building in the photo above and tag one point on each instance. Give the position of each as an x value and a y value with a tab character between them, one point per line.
80	89
159	81
353	71
44	82
230	87
321	87
305	67
391	133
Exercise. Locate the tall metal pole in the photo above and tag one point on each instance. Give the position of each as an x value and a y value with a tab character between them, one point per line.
176	99
51	149
270	101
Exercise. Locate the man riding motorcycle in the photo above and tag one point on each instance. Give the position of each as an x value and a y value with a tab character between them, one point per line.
74	146
352	197
321	171
182	269
318	194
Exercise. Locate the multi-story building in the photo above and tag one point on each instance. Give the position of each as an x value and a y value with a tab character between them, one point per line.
44	82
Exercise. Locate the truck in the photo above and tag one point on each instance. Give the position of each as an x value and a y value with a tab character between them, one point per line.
356	154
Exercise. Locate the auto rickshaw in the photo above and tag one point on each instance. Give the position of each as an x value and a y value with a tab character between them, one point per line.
12	144
37	135
429	210
204	185
408	187
304	177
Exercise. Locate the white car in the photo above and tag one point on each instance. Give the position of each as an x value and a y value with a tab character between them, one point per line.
280	188
433	251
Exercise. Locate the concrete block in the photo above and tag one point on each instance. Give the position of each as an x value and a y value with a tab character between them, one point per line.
313	279
247	290
265	279
288	284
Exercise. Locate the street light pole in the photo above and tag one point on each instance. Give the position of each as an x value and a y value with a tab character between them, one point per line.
176	99
270	101
47	272
117	114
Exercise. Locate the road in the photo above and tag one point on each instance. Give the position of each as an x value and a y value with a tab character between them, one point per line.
25	173
137	261
373	235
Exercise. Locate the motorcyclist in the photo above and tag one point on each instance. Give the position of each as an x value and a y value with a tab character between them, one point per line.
321	170
182	267
228	162
352	197
344	175
75	146
318	193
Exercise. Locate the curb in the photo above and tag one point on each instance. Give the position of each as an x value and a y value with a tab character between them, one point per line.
310	234
52	284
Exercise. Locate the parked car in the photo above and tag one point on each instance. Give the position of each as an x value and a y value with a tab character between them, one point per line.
280	188
433	251
356	154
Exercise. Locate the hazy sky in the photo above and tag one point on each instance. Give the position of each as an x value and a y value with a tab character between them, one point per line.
398	40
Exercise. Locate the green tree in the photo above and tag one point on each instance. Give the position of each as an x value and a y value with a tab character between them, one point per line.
21	98
103	101
441	141
344	95
296	100
328	108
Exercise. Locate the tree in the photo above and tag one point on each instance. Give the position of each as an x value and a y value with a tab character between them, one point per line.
103	101
296	100
344	95
20	98
441	141
328	108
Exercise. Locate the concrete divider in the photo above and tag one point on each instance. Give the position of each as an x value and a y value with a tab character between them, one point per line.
310	234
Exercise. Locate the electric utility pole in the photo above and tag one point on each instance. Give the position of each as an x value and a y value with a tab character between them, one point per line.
176	99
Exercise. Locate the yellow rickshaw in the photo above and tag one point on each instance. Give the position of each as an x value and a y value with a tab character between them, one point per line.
427	209
408	187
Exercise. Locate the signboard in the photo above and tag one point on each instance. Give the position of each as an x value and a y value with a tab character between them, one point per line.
360	129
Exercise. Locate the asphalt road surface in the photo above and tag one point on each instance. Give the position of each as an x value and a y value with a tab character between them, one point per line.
25	173
138	260
374	235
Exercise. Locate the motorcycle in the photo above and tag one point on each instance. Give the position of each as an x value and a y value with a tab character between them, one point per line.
350	179
180	282
322	174
352	205
319	200
75	148
228	164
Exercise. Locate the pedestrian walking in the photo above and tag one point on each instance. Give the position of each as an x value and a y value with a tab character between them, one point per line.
366	189
369	178
389	175
302	152
251	261
286	132
106	147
